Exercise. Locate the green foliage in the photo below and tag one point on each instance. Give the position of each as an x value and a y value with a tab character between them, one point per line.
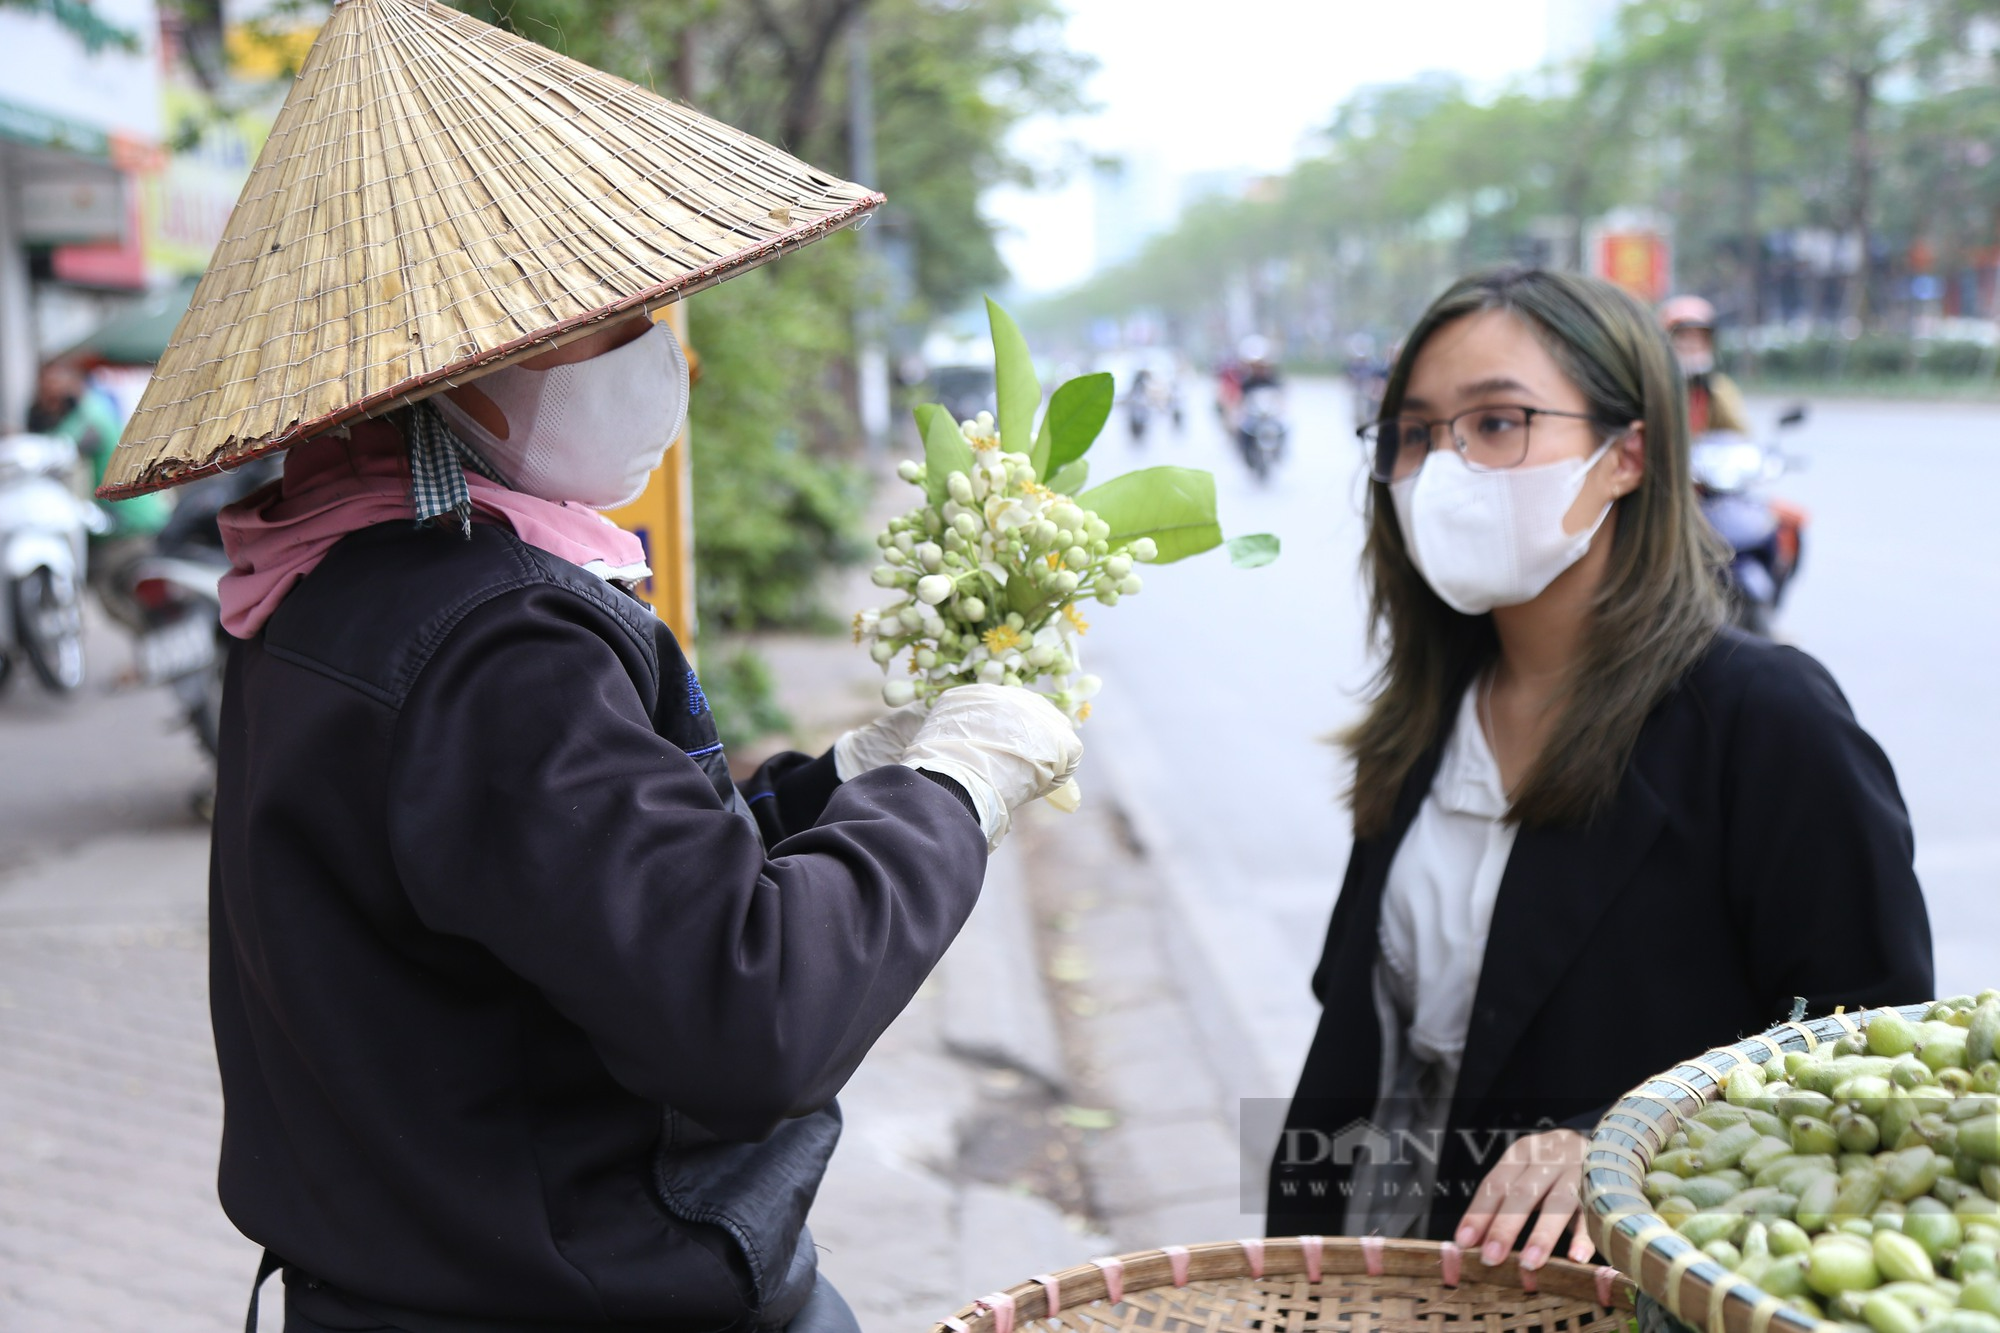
770	516
1076	416
77	18
742	695
1175	506
1736	120
1252	551
1018	391
945	450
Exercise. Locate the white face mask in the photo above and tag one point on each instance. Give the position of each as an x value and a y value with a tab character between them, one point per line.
590	432
1487	539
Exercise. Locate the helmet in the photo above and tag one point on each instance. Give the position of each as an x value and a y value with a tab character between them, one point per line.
1256	347
1687	312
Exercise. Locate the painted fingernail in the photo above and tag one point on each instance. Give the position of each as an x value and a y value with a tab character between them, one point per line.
1492	1254
1532	1257
1466	1235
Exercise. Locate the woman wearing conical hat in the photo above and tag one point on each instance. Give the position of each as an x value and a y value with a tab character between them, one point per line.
527	1016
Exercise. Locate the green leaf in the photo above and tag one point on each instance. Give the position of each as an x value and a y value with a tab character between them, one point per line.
1077	413
945	450
1014	381
1175	506
1070	478
1249	552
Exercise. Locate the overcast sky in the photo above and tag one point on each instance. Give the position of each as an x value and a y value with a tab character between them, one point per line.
1238	84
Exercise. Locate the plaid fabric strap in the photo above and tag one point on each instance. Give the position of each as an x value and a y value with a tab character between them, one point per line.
438	459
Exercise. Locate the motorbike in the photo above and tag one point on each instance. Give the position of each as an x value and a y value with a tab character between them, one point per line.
44	533
182	644
1260	430
1765	535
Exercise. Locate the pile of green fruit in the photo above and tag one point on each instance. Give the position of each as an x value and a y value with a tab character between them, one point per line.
1858	1182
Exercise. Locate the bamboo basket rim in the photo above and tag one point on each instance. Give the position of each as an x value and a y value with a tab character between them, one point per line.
1318	1258
1662	1262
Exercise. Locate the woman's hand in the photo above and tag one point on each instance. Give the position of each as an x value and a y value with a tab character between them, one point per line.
1542	1171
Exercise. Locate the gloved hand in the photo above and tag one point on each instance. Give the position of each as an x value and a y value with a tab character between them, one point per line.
878	743
1004	744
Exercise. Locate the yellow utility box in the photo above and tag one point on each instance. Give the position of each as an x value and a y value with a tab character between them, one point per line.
663	518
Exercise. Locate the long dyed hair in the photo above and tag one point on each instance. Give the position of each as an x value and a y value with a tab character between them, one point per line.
1658	609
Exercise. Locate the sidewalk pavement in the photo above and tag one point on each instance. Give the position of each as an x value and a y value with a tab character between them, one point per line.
992	1135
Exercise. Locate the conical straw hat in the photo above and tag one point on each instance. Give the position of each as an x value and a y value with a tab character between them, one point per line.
438	199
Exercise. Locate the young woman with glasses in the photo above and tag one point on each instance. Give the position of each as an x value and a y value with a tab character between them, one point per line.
1596	832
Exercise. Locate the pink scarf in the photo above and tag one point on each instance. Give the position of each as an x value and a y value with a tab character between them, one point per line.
278	534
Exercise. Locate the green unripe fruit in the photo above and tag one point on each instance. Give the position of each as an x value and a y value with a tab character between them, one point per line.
1981	1293
1836	1265
1901	1259
1680	1161
1855	1132
1858	1196
1982	1034
1809	1134
1911	1172
1885	1314
1786	1276
1727	1147
1979	1136
1943	1047
1889	1033
1865	1093
1973	1262
1788	1237
1965	1321
1933	1226
1704	1227
1910	1071
1709	1191
1815	1210
1723	1253
1802	1102
1675	1210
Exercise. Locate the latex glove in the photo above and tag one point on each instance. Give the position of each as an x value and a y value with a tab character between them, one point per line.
1004	744
878	743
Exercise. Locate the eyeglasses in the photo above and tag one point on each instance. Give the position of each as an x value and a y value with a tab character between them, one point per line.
1495	440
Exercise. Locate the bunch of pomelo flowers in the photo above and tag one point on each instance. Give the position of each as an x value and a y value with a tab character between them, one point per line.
992	565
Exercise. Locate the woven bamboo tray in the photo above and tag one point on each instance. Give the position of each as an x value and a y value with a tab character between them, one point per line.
1303	1283
1666	1265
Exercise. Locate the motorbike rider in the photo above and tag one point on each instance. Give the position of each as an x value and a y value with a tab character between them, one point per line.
67	404
1714	401
528	1017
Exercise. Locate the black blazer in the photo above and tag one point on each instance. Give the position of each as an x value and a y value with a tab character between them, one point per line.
1757	850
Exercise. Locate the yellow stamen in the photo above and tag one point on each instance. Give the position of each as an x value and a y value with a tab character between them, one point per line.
1001	638
1083	713
857	627
1075	618
1054	559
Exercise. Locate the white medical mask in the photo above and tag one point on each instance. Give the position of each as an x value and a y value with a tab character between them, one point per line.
590	432
1487	539
1695	363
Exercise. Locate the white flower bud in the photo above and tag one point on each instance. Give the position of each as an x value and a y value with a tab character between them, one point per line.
1067	515
894	556
991	672
882	651
1041	655
1086	687
912	618
1118	566
1067	581
884	576
966	525
1144	549
971	609
1076	557
1010	679
910	470
1130	585
960	487
933	588
906	542
1098	529
885	540
926	659
932	556
984	421
1108	598
1014	620
896	693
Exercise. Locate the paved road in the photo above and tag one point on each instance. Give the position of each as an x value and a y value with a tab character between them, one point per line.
1220	682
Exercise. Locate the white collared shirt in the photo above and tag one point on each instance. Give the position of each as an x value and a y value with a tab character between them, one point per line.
1436	910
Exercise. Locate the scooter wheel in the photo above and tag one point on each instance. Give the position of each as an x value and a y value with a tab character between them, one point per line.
48	616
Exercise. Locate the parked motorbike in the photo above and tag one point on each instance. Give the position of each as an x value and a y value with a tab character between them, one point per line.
44	531
1766	536
182	644
1260	429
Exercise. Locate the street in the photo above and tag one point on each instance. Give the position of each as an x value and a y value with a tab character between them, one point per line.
1220	684
1211	797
